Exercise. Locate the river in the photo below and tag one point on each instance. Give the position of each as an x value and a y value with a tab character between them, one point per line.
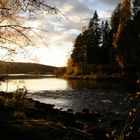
76	94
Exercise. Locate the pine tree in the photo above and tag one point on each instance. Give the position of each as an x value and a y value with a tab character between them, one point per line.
79	50
106	48
94	33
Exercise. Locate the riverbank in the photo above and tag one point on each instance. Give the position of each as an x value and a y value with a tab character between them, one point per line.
24	118
96	77
25	76
112	78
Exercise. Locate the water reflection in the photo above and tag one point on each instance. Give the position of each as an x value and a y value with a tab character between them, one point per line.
78	95
90	84
34	85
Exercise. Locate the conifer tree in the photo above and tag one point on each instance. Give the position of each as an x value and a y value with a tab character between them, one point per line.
79	49
106	48
94	32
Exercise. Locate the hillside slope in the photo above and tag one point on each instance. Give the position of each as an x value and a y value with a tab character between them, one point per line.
26	68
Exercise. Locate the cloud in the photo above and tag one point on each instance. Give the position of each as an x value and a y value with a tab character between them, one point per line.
76	14
59	31
104	14
110	2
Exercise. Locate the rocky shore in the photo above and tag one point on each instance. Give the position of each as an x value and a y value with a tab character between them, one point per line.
24	118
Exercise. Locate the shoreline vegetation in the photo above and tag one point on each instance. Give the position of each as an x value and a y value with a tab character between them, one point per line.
25	76
104	77
24	118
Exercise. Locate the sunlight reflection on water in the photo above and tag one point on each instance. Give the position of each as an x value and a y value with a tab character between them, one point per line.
59	103
35	84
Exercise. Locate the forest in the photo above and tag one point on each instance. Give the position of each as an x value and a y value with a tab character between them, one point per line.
109	47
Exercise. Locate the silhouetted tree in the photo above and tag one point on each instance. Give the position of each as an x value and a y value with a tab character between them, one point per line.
129	47
79	49
94	33
106	48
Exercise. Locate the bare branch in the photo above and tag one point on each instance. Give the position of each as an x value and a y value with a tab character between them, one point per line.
17	28
14	30
7	48
11	29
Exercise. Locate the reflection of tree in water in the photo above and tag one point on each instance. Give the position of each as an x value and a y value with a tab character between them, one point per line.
90	84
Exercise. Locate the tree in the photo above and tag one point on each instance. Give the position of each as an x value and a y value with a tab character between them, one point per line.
79	49
12	29
124	18
70	67
115	19
94	27
129	47
94	33
87	46
106	48
114	23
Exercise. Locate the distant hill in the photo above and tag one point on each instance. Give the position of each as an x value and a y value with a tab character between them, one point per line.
26	68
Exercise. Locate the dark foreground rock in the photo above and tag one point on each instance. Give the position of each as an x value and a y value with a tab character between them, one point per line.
39	130
28	119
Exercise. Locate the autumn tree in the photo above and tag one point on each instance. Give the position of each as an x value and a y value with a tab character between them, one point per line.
126	40
13	14
124	17
114	21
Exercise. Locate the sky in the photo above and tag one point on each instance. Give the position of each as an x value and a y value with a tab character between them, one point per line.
59	31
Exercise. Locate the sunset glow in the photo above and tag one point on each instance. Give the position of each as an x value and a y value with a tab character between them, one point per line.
54	34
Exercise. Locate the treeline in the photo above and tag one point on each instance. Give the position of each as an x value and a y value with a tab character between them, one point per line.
26	68
109	46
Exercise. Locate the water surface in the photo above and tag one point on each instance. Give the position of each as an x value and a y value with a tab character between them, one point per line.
76	94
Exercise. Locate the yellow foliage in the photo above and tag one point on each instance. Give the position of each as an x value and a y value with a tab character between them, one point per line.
124	17
70	65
